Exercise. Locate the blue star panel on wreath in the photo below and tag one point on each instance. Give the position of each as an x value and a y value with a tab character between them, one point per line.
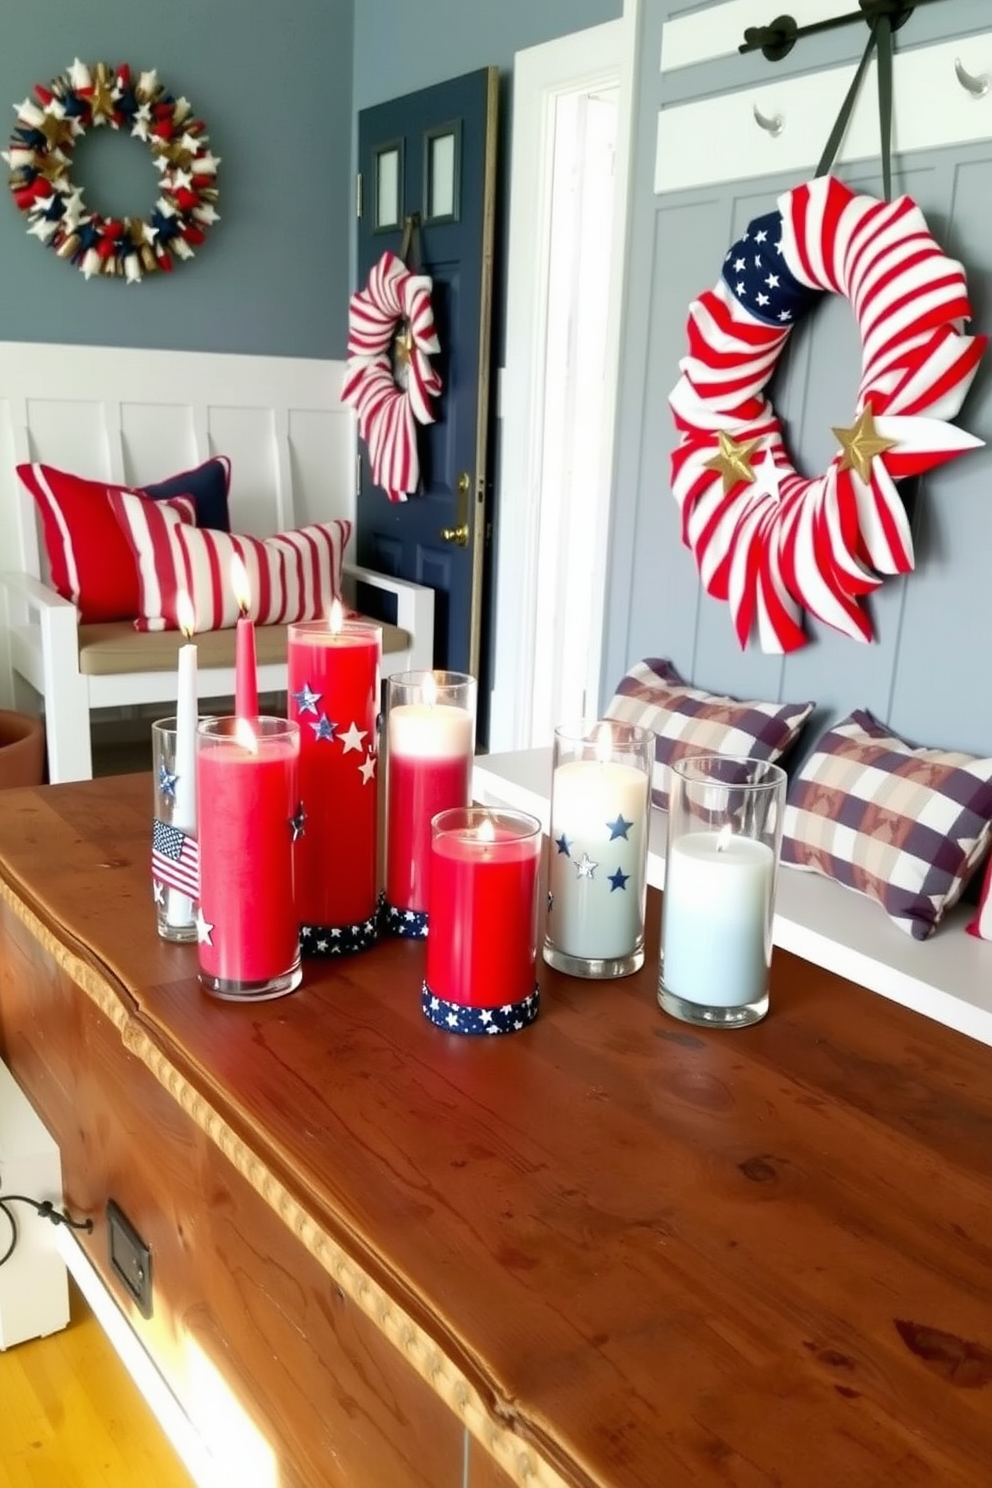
410	923
453	1017
757	275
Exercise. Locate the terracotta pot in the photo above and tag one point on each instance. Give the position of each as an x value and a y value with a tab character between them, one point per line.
22	750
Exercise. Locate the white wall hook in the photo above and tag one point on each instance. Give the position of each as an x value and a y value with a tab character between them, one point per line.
976	86
775	124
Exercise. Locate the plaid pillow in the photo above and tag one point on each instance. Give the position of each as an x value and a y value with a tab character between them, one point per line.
686	720
905	826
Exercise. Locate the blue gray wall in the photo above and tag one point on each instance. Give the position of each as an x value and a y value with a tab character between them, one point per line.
273	84
925	674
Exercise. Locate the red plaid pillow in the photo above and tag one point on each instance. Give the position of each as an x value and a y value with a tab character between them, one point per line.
292	576
89	559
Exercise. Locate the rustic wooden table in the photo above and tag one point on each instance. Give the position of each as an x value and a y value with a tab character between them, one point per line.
610	1250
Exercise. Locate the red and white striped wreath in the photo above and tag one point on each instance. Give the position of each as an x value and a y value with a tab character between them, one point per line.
390	381
772	542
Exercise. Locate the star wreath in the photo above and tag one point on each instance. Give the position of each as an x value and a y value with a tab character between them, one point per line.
389	380
772	542
40	157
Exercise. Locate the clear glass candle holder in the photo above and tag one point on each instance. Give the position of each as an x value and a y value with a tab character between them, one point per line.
430	743
724	832
597	879
250	818
482	946
175	850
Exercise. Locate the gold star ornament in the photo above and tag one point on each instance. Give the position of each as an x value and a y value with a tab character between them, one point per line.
861	443
733	463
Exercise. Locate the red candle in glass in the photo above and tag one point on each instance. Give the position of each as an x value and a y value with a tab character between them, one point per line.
248	790
482	944
334	697
431	736
245	665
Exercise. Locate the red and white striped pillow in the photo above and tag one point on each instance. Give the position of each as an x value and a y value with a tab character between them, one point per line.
981	924
292	576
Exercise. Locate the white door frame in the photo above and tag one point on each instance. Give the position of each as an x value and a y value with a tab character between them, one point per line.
599	56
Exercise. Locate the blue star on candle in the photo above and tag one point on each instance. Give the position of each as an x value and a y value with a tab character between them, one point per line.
551	901
619	828
298	823
167	782
306	699
323	728
618	880
561	843
585	867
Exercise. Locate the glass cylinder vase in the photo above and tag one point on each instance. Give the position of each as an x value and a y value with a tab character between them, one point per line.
724	831
250	817
430	742
175	850
597	881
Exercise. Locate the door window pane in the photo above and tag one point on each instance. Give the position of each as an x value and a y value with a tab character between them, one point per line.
442	167
388	186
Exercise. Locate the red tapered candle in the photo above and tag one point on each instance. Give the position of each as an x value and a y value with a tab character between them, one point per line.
334	697
245	665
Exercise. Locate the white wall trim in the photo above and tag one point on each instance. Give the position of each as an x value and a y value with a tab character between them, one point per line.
719	30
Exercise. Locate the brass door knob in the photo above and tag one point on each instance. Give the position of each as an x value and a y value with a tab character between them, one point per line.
457	535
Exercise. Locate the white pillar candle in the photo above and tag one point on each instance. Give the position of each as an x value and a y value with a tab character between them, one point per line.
716	919
599	813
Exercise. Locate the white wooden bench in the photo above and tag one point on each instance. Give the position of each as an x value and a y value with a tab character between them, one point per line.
948	977
134	417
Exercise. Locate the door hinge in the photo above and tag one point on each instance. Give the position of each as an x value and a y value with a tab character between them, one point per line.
358	195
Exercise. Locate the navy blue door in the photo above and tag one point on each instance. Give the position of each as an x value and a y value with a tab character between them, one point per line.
432	156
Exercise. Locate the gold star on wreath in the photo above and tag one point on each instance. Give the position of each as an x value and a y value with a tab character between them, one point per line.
58	132
102	102
403	346
734	461
861	443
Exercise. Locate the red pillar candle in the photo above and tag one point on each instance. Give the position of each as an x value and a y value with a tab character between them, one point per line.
483	920
245	666
430	726
334	697
248	790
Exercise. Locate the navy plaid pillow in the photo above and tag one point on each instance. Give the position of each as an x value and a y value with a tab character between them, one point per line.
905	826
686	720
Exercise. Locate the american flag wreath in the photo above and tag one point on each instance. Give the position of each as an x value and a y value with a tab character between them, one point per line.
768	540
40	159
389	379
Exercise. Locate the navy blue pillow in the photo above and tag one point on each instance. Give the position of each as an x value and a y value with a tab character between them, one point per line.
208	485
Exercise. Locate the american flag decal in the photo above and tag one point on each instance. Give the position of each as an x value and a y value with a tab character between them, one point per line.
176	859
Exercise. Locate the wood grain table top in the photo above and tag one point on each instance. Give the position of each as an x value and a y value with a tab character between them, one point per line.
660	1255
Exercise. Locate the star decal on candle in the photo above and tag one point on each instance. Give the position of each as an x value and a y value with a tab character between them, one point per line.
323	728
619	828
585	867
618	880
733	463
167	782
562	844
298	823
861	443
158	891
306	699
551	901
352	737
203	930
367	769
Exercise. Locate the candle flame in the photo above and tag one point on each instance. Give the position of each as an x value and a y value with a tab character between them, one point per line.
429	690
335	619
239	583
185	614
604	743
245	735
723	837
485	831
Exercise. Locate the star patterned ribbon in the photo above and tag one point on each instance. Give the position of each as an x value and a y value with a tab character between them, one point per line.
342	940
409	923
455	1017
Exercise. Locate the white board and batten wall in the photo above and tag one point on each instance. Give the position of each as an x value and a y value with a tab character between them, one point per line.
702	168
138	416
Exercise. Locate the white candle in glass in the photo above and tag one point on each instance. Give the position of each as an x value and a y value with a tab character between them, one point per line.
179	908
716	919
599	813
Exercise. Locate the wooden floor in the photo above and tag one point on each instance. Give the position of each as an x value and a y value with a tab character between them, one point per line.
70	1416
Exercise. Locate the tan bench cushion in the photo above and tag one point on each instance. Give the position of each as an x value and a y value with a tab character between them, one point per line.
116	648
